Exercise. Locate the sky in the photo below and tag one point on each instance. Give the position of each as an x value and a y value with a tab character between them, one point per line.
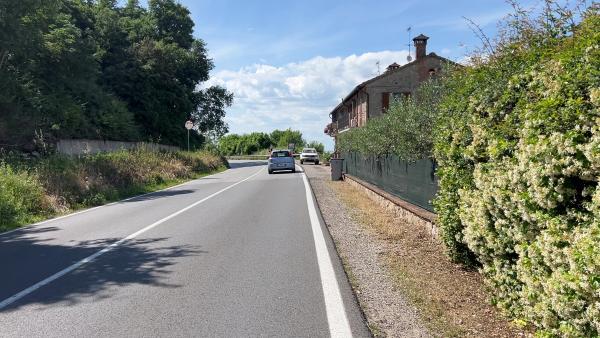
289	62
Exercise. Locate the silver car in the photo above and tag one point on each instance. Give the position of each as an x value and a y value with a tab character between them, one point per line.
281	160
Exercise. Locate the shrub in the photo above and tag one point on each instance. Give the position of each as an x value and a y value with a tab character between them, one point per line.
94	179
319	147
405	130
202	161
518	147
22	198
40	188
245	144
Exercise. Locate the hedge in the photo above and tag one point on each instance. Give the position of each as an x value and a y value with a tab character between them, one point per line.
516	135
518	148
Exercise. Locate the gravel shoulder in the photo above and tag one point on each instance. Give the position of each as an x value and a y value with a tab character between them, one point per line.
387	310
405	284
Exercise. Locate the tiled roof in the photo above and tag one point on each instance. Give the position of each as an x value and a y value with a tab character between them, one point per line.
391	71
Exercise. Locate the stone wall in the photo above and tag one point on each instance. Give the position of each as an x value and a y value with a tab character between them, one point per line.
83	147
408	212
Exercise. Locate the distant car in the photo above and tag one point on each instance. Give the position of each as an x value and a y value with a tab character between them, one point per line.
281	160
309	155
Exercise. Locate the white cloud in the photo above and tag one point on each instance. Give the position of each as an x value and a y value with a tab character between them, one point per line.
298	95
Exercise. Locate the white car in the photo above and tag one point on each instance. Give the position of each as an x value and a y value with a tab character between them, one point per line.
309	155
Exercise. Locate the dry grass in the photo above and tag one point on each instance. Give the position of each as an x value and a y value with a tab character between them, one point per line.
31	190
451	300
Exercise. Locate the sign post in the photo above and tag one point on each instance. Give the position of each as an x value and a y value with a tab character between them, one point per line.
188	125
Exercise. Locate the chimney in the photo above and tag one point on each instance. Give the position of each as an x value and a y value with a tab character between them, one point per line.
393	66
421	45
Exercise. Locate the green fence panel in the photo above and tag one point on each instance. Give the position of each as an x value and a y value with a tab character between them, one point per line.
414	182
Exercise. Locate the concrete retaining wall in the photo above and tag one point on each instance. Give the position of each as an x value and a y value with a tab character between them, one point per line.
83	147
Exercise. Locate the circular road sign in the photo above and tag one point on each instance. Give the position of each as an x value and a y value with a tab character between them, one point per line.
189	125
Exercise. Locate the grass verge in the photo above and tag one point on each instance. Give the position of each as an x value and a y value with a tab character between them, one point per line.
33	190
451	300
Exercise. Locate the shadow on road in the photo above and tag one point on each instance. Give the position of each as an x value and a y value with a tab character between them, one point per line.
285	172
159	194
27	260
238	164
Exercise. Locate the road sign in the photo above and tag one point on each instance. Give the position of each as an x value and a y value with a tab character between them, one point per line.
188	125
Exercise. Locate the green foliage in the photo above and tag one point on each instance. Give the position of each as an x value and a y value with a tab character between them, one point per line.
319	147
405	130
517	143
34	189
210	114
228	144
91	69
283	138
246	144
257	142
22	198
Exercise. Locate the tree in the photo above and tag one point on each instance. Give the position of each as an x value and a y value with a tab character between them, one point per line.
92	69
228	145
319	147
246	144
283	138
210	113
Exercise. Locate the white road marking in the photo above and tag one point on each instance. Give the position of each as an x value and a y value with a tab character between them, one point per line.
100	206
90	258
334	305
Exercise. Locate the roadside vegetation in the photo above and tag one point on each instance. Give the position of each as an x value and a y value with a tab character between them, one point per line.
258	143
111	70
36	189
516	136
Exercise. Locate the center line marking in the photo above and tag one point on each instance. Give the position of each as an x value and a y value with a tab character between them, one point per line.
334	305
92	257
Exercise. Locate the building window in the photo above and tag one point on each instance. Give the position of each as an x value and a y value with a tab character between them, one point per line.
400	96
385	102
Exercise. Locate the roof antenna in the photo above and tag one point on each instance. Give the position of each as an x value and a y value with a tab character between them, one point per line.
378	70
409	58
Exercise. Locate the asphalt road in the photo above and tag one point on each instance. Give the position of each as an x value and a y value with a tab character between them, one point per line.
241	253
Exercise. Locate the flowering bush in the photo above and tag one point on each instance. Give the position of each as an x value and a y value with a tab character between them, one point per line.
518	146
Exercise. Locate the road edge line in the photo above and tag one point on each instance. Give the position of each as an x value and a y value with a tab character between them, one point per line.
6	302
334	304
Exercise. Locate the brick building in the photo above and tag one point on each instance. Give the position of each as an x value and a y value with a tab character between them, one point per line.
372	97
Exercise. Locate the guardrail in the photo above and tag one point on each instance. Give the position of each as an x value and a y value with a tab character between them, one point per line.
248	157
253	157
